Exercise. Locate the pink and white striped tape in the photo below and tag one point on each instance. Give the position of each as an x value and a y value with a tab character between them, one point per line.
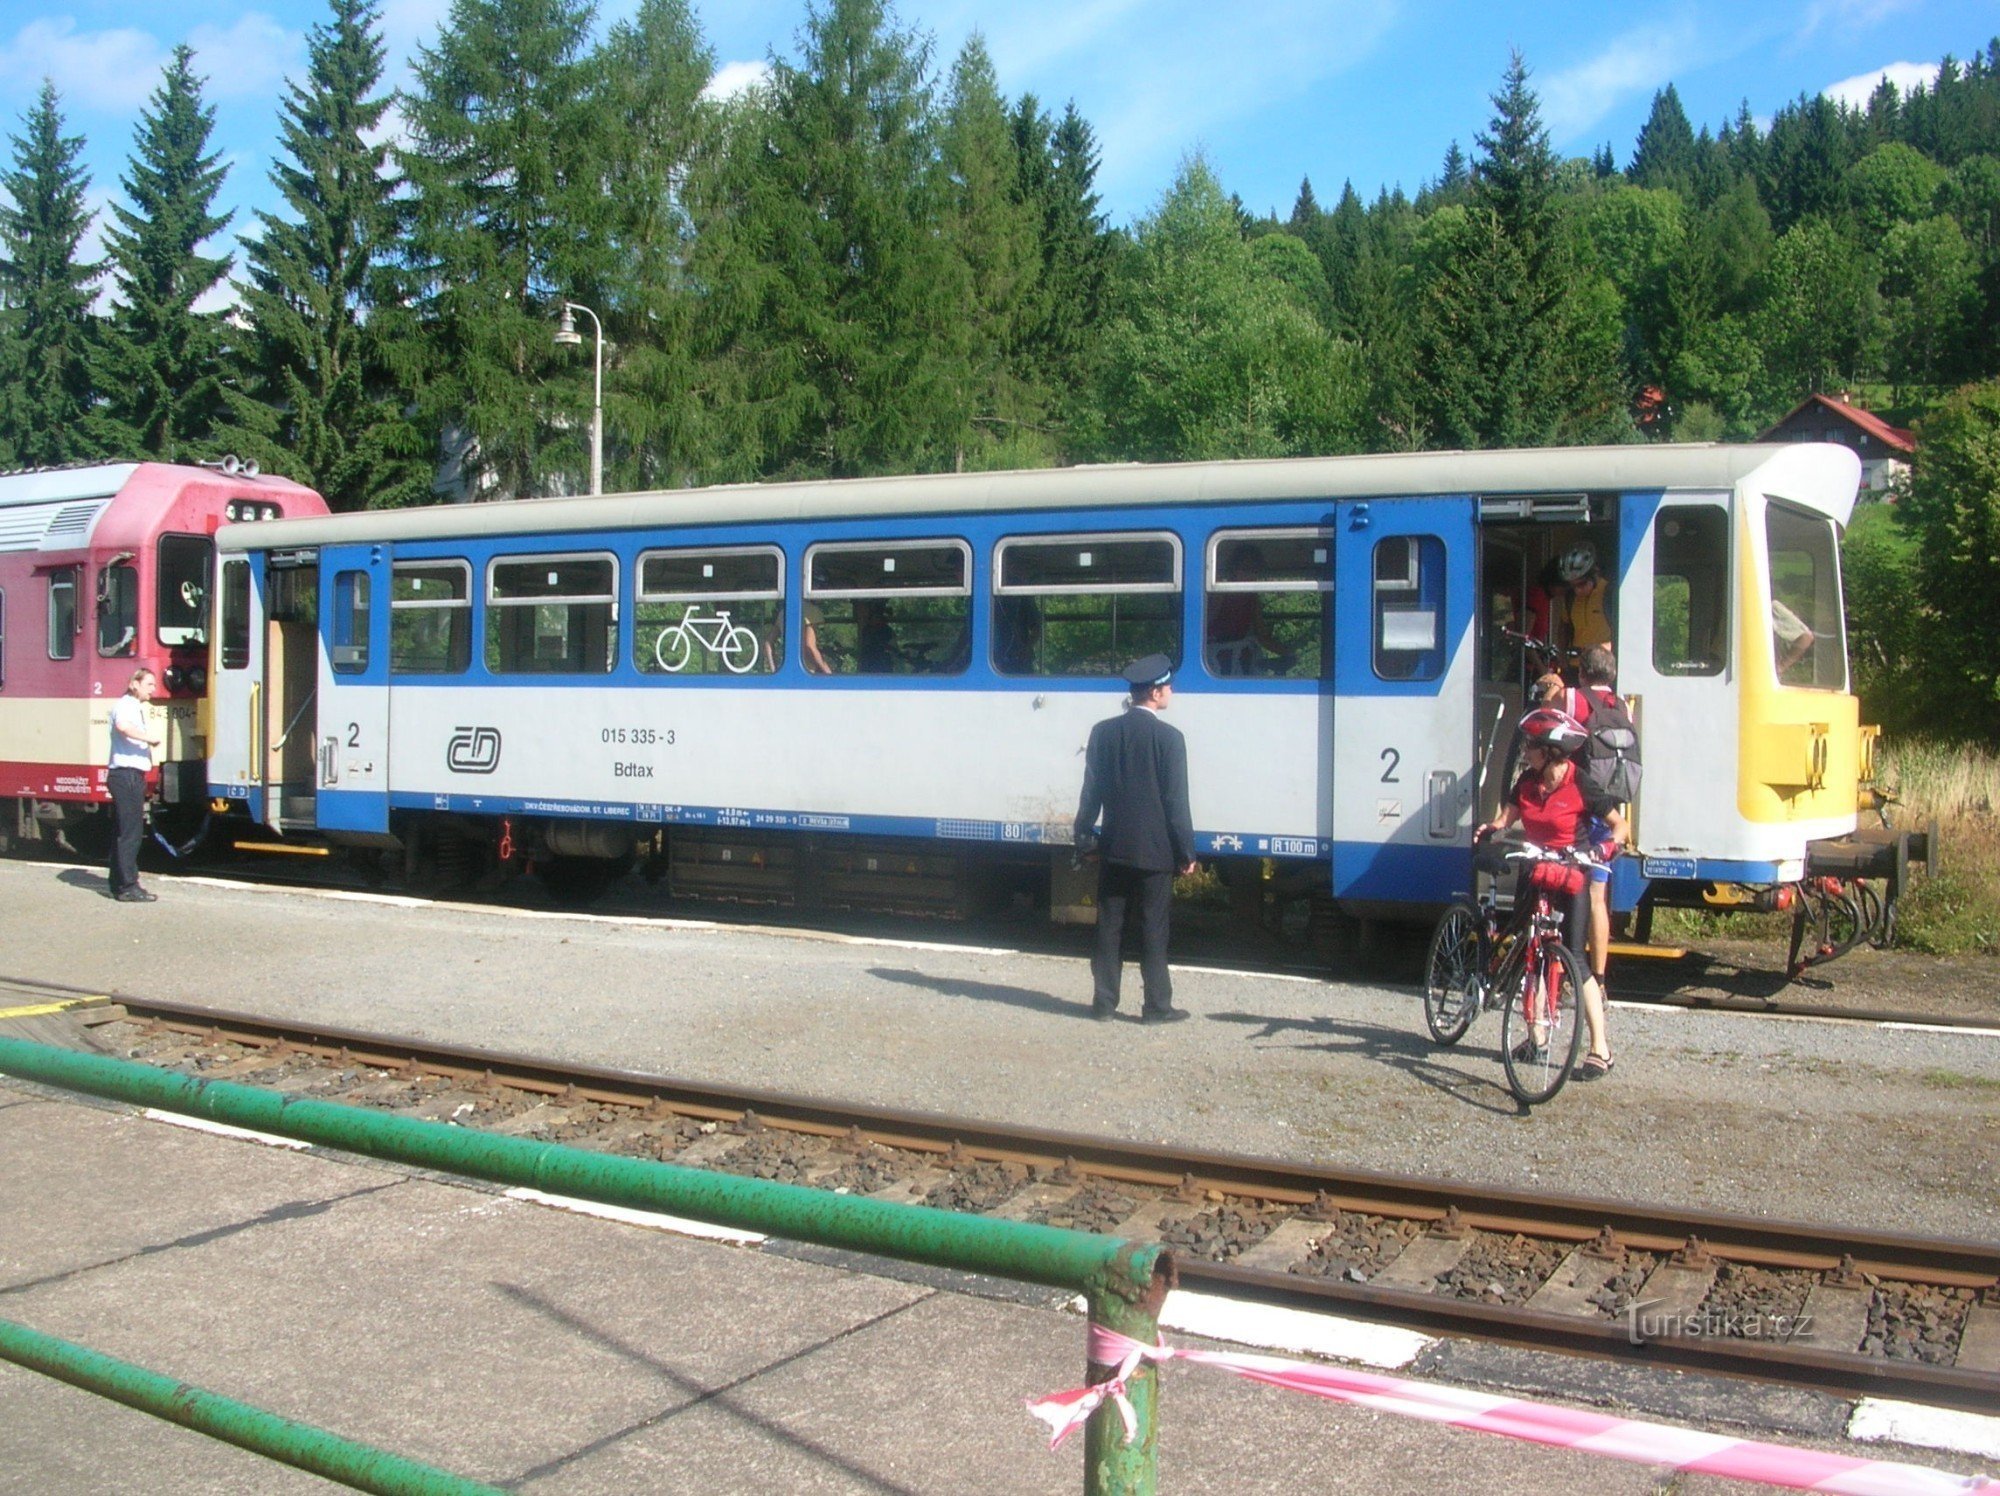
1538	1423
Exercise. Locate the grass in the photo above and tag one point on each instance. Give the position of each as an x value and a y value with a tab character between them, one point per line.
1954	913
1957	912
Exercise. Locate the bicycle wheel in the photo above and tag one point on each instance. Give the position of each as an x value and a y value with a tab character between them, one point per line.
1452	979
1551	991
739	650
673	649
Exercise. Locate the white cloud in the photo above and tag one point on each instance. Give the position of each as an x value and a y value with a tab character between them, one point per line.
1854	91
734	78
111	70
1849	15
1188	71
1639	62
117	70
249	60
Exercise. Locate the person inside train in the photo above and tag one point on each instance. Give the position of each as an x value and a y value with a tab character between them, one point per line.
1017	634
1547	803
814	620
875	651
1240	641
1791	637
1583	608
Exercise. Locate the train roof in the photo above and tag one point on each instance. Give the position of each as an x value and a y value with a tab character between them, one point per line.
1821	475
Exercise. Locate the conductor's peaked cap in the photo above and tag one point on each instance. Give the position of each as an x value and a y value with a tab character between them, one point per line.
1153	670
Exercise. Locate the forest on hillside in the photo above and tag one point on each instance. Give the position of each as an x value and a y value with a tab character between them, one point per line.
875	263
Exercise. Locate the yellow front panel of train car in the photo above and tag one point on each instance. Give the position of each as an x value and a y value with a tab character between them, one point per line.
1798	751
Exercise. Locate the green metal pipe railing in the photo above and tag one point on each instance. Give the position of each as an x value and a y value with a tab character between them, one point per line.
1124	1282
300	1444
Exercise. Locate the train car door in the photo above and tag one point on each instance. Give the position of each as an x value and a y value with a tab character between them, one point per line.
236	688
289	687
1404	770
352	757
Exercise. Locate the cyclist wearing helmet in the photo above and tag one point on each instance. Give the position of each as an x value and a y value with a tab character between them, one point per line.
1548	804
1583	611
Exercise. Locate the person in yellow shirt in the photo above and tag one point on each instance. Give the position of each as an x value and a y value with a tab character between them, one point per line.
1583	611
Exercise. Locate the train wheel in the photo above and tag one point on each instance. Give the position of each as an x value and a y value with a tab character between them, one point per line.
1452	978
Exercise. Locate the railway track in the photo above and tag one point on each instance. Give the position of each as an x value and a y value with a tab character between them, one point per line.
1850	1313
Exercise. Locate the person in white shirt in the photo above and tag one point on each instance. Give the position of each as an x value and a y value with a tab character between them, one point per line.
133	739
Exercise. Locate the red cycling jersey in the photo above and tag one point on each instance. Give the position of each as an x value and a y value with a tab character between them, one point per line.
1550	817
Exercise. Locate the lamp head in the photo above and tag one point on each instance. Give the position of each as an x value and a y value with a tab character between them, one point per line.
566	335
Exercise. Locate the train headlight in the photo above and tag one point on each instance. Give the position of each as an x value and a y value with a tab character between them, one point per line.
189	678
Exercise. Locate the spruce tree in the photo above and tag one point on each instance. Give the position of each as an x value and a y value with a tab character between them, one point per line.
677	426
319	400
1665	154
164	362
1061	326
994	233
1517	345
506	159
47	393
838	200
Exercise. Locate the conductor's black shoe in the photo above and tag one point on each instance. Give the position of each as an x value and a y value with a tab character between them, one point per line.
1164	1015
137	896
1101	1013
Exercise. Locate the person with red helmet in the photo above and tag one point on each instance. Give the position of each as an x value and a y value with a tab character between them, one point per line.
1548	804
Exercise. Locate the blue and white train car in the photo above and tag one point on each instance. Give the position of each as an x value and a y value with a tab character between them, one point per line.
915	663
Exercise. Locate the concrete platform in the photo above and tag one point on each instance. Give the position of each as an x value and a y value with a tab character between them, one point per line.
550	1352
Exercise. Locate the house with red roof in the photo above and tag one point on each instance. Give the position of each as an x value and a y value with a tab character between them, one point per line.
1885	450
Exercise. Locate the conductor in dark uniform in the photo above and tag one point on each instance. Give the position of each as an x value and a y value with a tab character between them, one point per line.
1135	772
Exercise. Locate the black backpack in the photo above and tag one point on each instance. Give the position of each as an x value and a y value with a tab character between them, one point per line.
1609	770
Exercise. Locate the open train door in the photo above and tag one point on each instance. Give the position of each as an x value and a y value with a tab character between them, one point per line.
1404	759
352	756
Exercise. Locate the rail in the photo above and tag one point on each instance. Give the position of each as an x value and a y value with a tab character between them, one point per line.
1123	1282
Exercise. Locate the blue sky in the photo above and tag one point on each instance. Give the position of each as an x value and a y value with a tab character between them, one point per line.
1271	90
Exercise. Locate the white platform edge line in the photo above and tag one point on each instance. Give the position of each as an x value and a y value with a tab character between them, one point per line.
1300	1331
223	1129
652	1220
1877	1419
1939	1028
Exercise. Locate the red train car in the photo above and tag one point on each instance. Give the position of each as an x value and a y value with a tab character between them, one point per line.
105	568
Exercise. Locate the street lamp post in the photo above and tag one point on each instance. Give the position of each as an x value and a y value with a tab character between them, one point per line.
568	337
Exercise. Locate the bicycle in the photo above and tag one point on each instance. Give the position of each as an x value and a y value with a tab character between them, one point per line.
733	644
1522	967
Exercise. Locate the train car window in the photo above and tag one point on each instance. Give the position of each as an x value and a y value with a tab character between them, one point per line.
888	608
62	613
117	609
1085	604
185	562
1691	590
1409	607
1807	620
1268	606
430	618
235	615
552	615
710	612
348	648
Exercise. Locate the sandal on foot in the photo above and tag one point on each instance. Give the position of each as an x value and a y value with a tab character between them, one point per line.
1594	1067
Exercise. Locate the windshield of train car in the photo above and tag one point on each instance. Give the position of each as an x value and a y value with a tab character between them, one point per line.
185	561
1808	635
